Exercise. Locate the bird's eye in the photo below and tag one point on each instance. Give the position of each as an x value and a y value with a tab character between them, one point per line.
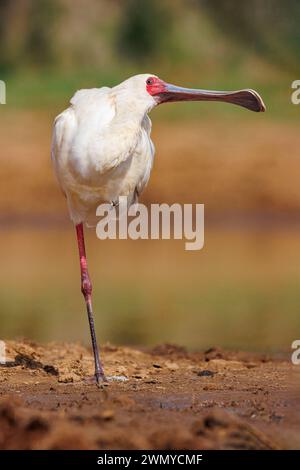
149	81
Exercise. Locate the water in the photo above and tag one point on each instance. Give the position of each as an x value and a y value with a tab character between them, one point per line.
241	290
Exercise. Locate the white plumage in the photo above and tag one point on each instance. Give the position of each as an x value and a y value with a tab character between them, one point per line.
101	150
101	146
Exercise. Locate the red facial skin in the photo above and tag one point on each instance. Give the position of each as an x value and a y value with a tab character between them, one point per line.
155	85
164	92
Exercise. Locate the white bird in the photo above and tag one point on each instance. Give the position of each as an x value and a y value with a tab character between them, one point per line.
101	150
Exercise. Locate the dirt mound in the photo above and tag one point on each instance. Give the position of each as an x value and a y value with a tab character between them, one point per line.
165	398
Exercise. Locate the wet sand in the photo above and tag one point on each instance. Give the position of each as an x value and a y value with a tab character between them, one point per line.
164	398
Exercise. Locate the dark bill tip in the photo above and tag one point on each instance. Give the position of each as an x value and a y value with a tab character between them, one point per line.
249	99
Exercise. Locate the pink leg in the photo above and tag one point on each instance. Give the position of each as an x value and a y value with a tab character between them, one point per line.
86	289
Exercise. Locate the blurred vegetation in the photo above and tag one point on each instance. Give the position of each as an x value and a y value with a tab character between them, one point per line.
39	47
52	47
268	27
143	29
27	33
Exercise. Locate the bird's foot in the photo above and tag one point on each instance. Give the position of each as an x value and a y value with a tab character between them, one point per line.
98	379
103	381
116	378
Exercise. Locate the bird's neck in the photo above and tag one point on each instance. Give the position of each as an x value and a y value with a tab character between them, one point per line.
131	113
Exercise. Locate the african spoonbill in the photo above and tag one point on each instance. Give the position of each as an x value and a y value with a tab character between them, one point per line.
101	149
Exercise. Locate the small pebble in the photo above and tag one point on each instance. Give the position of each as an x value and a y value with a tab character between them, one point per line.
107	415
206	373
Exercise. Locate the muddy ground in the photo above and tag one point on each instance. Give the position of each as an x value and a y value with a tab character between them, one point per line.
164	398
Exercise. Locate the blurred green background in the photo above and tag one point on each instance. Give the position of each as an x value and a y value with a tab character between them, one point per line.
242	289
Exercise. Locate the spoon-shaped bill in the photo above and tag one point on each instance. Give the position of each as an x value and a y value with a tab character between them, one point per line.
249	99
